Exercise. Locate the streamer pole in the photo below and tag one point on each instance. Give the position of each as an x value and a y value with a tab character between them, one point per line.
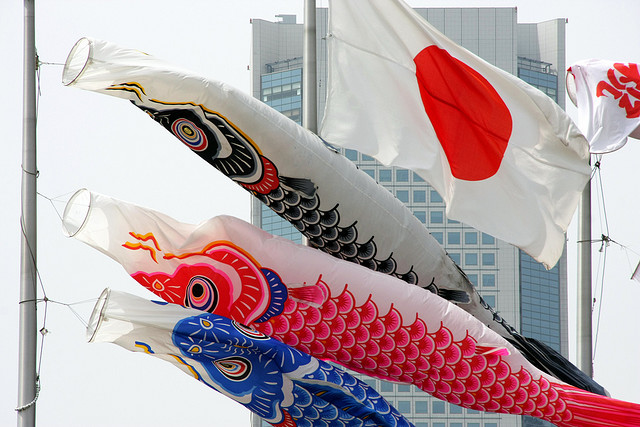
309	79
27	376
584	349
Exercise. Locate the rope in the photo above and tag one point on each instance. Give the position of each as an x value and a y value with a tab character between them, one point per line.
43	331
605	242
604	265
58	199
33	402
75	313
38	278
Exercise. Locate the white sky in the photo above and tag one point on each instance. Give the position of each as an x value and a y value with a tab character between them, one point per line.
101	143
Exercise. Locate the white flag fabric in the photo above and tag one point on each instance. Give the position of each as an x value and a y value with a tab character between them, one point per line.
505	157
607	95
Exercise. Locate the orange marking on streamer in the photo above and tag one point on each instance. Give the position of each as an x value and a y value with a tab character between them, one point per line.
136	246
210	246
146	237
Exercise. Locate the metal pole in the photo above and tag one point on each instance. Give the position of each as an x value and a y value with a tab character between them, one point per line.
309	85
309	79
584	347
27	376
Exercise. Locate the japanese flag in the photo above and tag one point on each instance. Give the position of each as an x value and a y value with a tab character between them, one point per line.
506	159
607	95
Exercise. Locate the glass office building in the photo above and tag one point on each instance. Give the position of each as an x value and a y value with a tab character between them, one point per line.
530	298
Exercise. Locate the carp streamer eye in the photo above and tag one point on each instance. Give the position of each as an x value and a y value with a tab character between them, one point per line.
249	332
189	133
202	294
234	368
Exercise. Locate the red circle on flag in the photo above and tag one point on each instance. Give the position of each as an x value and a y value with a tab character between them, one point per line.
472	122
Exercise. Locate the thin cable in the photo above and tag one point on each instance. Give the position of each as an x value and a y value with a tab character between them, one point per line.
604	208
33	257
606	241
43	332
595	340
38	85
38	278
84	322
52	200
33	402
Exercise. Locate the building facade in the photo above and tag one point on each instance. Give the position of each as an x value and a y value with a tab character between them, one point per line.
530	298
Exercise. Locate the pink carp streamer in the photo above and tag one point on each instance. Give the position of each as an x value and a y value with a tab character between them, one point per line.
333	310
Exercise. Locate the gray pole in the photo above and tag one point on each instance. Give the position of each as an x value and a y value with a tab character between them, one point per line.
584	316
309	85
27	376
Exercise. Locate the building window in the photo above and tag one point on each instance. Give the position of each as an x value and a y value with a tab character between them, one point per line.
437	407
351	155
489	259
454	409
417	178
370	172
403	195
366	158
421	424
490	300
402	175
471	258
487	239
488	280
422	407
404	406
435	197
455	256
421	215
453	238
419	196
470	238
436	217
439	236
386	386
385	175
438	424
473	278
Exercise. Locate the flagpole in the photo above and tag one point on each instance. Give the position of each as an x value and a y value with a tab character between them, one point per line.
27	376
309	87
309	79
584	357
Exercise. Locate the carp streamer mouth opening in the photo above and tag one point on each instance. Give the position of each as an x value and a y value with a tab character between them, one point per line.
77	61
97	315
76	212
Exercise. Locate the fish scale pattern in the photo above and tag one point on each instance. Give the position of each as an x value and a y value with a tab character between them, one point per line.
309	409
283	385
322	230
385	346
